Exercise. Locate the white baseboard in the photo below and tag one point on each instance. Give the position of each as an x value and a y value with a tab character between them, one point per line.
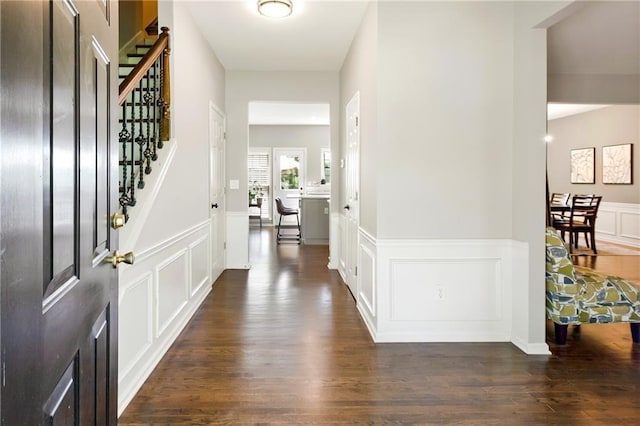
158	295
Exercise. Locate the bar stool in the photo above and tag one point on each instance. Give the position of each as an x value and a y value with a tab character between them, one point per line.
287	211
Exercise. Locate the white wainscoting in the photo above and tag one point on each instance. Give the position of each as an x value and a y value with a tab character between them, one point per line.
237	240
342	261
436	290
366	281
335	237
619	223
158	295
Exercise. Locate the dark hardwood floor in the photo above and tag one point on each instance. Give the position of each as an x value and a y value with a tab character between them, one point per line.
283	343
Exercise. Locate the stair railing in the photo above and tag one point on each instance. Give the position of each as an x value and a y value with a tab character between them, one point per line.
145	101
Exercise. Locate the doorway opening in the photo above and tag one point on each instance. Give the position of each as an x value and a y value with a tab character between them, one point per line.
289	157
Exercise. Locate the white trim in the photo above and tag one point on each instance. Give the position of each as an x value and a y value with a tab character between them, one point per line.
475	275
179	256
613	224
237	238
334	241
145	254
532	348
130	233
147	269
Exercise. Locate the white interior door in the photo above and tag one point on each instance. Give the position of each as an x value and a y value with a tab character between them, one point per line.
216	190
289	166
352	207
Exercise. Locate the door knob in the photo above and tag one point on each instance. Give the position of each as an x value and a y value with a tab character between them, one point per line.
117	220
214	206
118	258
347	207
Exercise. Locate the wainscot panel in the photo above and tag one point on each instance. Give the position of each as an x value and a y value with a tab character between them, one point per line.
619	223
366	285
172	289
135	310
444	290
334	242
198	260
160	292
342	262
237	240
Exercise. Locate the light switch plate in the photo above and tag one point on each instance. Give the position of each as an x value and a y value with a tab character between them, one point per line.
234	184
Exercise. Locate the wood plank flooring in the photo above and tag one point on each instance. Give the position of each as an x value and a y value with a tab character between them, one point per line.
283	343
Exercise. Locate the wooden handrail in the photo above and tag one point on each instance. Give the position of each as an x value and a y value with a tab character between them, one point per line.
159	47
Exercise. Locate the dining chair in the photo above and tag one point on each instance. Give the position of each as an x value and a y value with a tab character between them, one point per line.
581	219
558	201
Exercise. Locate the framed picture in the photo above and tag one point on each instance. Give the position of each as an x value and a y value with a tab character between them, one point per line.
617	164
583	165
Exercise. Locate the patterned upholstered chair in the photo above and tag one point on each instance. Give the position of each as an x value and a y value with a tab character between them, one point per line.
578	295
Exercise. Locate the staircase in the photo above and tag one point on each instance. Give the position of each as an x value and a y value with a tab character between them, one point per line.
144	119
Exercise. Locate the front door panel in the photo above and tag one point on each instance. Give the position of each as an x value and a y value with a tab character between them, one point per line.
70	375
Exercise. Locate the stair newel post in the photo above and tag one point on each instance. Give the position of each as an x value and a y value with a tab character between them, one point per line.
141	138
132	162
165	85
123	138
147	109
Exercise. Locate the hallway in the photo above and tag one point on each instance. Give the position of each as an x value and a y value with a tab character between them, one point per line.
283	343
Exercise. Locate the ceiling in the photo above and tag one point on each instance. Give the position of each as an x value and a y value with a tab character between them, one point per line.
316	37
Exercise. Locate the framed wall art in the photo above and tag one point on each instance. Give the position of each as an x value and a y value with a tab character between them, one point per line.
583	165
617	164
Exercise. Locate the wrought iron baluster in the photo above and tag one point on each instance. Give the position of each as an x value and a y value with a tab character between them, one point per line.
161	101
147	107
124	137
140	140
154	154
132	196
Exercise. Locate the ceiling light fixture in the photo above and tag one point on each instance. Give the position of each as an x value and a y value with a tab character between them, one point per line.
275	8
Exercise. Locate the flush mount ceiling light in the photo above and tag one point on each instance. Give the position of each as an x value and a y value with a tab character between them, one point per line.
275	8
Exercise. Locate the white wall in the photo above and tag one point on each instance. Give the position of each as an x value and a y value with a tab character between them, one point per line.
314	138
359	73
446	119
607	126
243	87
169	228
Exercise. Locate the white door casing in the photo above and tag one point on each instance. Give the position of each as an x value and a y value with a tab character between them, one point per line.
280	157
352	207
216	189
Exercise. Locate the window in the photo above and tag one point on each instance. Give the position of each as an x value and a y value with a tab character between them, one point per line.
259	164
325	171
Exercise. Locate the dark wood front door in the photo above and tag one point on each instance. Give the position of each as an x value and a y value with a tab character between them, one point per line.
58	183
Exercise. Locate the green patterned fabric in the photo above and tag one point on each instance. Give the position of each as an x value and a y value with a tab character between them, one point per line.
578	295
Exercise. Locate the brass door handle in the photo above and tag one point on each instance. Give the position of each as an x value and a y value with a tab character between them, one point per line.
117	220
118	258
